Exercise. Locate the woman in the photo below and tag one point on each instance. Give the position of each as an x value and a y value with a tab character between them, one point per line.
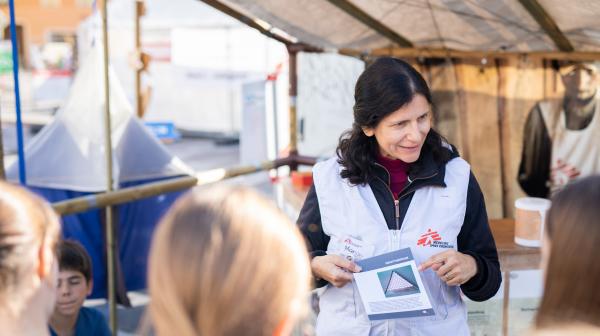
397	183
29	230
226	261
571	298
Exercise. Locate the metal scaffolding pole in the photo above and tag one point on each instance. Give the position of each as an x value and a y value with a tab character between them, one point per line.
15	58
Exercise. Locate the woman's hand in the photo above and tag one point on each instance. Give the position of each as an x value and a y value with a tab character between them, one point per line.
334	268
453	267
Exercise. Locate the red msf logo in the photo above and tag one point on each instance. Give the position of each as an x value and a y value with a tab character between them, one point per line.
428	238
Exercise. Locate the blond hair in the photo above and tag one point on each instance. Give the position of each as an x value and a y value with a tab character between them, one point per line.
26	223
225	261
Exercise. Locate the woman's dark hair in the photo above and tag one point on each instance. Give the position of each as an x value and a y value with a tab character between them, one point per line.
573	226
384	87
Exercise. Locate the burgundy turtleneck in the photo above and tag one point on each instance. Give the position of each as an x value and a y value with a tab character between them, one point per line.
398	170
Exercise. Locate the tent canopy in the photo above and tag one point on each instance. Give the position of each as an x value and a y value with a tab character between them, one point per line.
463	25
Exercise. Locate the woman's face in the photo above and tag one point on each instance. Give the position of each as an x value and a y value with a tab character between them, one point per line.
401	134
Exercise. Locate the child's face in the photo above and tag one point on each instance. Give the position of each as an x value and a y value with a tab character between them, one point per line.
71	292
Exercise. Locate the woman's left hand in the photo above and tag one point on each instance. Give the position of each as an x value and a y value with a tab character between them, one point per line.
453	267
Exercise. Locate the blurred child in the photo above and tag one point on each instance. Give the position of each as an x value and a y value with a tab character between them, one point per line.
225	261
74	285
29	230
571	301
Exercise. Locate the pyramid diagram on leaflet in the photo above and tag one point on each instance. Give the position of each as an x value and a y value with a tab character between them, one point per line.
398	284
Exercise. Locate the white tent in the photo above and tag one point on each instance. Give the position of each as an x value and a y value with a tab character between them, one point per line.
200	59
69	153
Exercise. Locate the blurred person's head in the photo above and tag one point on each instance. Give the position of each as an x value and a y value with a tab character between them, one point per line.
29	230
570	262
578	329
226	261
74	278
580	79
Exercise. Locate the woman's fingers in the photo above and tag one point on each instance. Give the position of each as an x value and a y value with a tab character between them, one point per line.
435	261
345	263
453	267
333	268
340	277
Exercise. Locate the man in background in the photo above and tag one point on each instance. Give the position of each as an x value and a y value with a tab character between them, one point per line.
561	140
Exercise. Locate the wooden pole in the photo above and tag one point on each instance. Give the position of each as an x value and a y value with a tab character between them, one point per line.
539	14
475	54
505	303
85	203
110	245
503	125
139	10
293	77
373	23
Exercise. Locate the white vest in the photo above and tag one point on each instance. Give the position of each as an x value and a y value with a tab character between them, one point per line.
348	210
577	148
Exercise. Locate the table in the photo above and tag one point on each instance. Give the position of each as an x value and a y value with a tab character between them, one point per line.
512	257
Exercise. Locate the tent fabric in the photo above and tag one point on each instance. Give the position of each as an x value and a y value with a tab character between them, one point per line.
85	228
69	153
578	20
66	159
135	223
488	25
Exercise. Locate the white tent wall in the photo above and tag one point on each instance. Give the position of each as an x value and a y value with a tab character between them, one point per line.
254	141
325	100
201	58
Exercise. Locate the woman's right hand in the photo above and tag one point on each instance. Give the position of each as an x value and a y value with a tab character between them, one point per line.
336	269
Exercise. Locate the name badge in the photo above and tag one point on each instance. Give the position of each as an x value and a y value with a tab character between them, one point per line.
354	249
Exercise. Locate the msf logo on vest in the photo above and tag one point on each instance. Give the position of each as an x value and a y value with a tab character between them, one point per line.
432	239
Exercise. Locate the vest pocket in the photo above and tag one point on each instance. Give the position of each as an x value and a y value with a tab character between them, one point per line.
360	313
339	301
447	198
437	295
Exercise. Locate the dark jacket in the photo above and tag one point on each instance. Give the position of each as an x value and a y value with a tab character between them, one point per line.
534	169
475	237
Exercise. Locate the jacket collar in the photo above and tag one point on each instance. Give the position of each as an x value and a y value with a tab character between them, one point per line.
425	171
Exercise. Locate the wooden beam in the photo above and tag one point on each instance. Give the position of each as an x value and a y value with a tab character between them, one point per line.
371	22
124	195
547	23
492	54
267	30
252	23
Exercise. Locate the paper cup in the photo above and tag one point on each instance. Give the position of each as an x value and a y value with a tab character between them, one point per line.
530	219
